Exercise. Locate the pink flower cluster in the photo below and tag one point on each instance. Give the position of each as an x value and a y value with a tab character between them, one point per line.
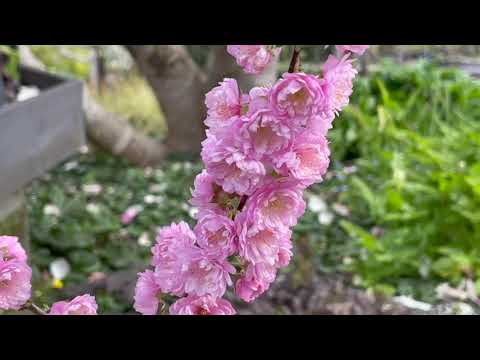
15	274
262	150
16	288
81	305
253	58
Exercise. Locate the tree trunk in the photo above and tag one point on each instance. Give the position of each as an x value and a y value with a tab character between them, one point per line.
179	86
114	133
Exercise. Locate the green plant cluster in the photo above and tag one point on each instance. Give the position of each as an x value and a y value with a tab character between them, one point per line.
414	134
87	230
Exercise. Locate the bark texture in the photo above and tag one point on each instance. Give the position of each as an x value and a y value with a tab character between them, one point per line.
114	133
179	86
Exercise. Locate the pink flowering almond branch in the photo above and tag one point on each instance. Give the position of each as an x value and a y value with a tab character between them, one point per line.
262	150
16	288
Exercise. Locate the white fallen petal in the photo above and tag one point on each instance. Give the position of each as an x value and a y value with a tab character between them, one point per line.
316	204
412	304
325	218
92	189
51	210
93	209
144	240
59	268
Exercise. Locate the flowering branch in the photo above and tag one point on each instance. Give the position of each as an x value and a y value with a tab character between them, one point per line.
16	287
263	150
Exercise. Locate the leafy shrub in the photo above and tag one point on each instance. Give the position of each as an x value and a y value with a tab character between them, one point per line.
414	135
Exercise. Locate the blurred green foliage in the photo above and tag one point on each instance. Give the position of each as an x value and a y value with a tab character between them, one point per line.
413	132
96	240
67	60
11	67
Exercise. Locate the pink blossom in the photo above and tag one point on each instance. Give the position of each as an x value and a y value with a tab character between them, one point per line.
308	160
337	83
208	196
321	123
172	256
356	49
223	103
297	97
10	248
253	58
204	305
81	305
276	206
226	162
146	294
131	213
216	234
208	274
258	100
256	281
263	245
265	135
15	284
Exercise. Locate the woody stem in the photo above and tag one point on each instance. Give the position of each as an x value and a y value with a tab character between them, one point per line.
295	62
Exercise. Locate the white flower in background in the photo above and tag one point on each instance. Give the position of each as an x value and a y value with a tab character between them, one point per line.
325	218
93	209
84	149
144	240
92	189
149	199
59	269
412	304
316	204
185	207
176	166
347	260
158	188
71	165
465	291
159	172
148	171
341	209
51	210
461	308
187	165
152	199
192	212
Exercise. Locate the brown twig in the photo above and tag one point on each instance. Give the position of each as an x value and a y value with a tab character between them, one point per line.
243	200
295	62
34	308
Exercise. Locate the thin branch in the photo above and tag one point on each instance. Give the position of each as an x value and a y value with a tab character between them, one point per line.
33	308
295	62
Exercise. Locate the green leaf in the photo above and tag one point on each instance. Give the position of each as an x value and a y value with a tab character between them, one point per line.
366	239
